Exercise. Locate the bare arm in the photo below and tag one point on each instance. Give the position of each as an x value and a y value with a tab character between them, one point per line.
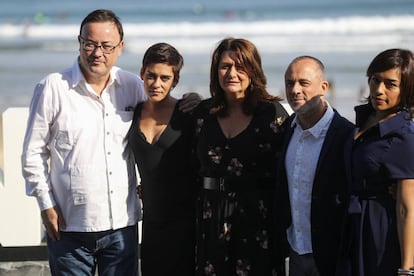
405	221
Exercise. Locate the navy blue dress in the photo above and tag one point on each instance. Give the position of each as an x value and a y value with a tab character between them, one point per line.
381	155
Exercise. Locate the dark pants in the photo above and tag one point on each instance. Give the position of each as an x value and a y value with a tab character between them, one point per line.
302	265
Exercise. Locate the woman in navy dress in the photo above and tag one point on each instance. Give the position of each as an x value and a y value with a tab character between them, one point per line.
383	155
161	137
238	141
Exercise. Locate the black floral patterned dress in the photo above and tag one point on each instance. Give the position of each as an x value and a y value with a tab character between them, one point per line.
234	220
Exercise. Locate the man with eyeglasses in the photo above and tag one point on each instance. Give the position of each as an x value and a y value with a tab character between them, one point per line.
75	161
89	46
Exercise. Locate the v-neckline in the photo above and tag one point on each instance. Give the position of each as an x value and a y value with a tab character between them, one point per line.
162	134
235	136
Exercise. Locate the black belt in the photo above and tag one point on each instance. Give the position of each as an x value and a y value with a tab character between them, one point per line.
223	184
213	183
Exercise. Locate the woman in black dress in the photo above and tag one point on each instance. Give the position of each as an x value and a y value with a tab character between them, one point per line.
238	140
161	137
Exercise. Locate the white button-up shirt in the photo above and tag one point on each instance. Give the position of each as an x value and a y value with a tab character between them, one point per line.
301	160
74	152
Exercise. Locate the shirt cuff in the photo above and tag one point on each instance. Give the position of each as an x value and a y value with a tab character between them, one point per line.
46	201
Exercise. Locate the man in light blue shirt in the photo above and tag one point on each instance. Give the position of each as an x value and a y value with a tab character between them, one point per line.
311	187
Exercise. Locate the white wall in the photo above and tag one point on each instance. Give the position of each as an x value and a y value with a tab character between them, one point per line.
20	223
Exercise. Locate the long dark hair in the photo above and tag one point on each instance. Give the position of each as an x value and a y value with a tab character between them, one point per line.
250	59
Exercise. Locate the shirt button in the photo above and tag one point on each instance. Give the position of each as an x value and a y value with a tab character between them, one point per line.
107	133
110	173
109	153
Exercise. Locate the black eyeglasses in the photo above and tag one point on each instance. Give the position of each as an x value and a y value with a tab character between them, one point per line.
89	45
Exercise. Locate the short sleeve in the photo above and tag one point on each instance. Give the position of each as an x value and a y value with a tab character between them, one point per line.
399	160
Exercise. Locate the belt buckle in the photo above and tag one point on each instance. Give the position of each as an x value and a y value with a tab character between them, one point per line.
221	184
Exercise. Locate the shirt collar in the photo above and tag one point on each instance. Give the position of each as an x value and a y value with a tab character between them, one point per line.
321	126
393	124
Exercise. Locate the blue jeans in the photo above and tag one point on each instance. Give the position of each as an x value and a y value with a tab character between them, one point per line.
113	252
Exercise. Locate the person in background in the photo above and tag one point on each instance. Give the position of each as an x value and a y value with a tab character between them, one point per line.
312	191
161	137
75	161
382	155
237	143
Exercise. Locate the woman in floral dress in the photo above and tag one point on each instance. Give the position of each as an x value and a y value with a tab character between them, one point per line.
238	140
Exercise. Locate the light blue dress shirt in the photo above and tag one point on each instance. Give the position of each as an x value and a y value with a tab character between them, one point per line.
301	161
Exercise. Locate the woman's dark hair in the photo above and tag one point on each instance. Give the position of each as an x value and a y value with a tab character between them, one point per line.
164	53
403	60
103	16
250	60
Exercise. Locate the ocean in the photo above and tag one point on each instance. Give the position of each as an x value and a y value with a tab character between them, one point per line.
38	37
